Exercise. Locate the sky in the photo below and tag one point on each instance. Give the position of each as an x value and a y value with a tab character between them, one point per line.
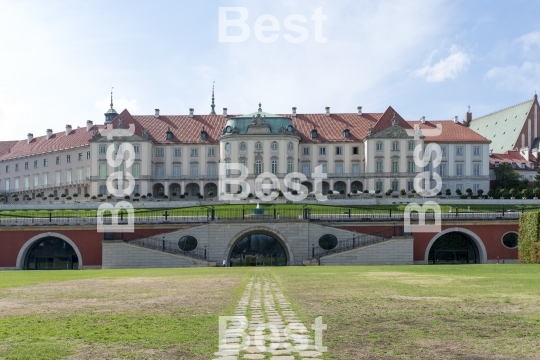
60	59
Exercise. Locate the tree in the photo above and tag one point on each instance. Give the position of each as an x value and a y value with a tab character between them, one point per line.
506	176
403	192
448	192
480	192
512	192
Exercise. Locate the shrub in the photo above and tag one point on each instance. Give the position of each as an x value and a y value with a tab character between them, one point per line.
186	193
136	194
51	195
389	192
165	196
68	198
109	197
458	192
44	198
182	196
63	195
378	191
93	197
413	191
16	199
439	193
210	193
448	192
536	191
250	195
87	195
143	197
75	195
149	195
491	192
355	191
403	192
512	192
56	198
528	244
200	196
366	191
126	197
342	192
330	192
100	195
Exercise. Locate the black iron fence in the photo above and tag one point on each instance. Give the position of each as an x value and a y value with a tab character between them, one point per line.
170	247
249	214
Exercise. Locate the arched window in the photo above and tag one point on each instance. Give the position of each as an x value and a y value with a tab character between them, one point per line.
258	167
243	146
274	166
274	145
258	145
290	165
228	146
395	146
379	146
290	146
244	162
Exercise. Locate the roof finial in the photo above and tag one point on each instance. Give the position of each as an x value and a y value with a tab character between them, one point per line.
469	108
260	108
111	96
213	106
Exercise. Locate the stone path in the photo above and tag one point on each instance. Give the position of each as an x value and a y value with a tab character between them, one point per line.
265	326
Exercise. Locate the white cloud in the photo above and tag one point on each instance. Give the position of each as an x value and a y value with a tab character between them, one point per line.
119	105
447	68
522	78
530	40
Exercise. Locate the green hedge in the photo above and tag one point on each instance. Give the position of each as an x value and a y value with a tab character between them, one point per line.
529	238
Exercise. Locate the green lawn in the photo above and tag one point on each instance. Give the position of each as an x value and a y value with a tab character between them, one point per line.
372	312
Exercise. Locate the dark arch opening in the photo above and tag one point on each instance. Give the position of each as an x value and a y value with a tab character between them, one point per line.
51	253
454	248
258	250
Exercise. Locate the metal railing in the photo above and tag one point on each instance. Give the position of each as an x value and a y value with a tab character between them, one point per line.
170	247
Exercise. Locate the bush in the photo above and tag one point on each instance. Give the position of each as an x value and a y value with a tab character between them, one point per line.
536	191
44	198
93	197
366	191
342	192
182	196
149	195
165	197
109	197
136	194
68	198
100	195
469	191
63	195
458	192
143	197
51	195
389	192
448	192
210	193
330	192
413	191
403	192
87	195
378	191
512	192
355	191
250	195
439	193
200	196
126	197
529	244
75	195
56	198
491	192
16	199
186	193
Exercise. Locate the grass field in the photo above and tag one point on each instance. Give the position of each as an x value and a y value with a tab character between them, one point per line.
375	312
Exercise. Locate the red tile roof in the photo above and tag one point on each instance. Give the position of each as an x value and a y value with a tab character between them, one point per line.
5	146
58	141
451	132
513	156
386	121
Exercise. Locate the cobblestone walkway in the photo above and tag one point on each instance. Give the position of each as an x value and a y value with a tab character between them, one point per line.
264	326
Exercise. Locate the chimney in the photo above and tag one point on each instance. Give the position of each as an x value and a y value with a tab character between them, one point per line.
191	112
294	111
30	137
224	112
359	111
456	120
423	119
68	129
468	117
327	110
89	125
156	114
49	133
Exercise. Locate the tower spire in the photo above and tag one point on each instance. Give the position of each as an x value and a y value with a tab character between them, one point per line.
111	113
111	97
213	106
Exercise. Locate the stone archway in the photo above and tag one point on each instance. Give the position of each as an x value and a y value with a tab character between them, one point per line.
175	190
478	243
260	230
23	252
158	190
357	185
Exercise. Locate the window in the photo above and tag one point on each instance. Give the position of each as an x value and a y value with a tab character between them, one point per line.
476	169
459	170
68	176
476	150
410	166
395	185
26	182
159	171
16	167
443	150
102	149
68	158
35	164
290	165
355	169
136	189
510	240
79	157
79	176
379	146
305	150
339	168
194	170
306	170
339	150
258	146
476	187
410	185
322	150
523	165
328	242
136	149
258	167
176	170
323	168
26	165
459	187
395	166
228	147
17	184
227	166
87	173
7	168
102	171
442	170
177	152
211	152
244	162
355	150
459	150
136	169
58	160
45	162
395	146
36	181
159	152
57	177
379	167
243	146
290	146
411	145
211	170
102	189
194	152
274	164
88	155
274	145
378	185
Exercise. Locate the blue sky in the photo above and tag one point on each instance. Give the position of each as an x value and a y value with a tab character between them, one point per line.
58	60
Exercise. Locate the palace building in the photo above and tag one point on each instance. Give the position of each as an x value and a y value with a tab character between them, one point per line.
178	154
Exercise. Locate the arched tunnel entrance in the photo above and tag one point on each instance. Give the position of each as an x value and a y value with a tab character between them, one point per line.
454	248
258	250
51	253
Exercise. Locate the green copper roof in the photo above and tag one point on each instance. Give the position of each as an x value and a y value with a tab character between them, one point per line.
503	127
260	119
